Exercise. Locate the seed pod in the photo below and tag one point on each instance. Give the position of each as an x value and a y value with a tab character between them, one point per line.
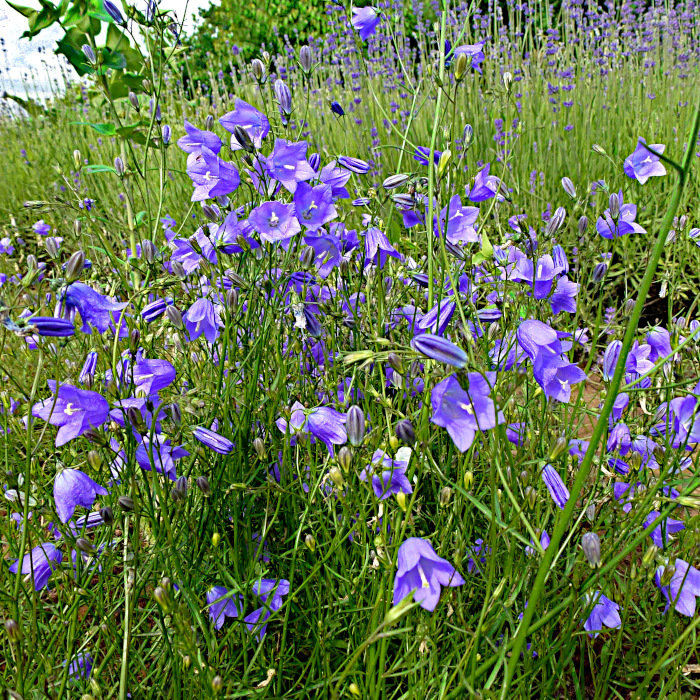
468	479
395	362
355	426
310	542
232	300
307	258
217	683
530	497
405	432
590	543
558	448
445	496
344	458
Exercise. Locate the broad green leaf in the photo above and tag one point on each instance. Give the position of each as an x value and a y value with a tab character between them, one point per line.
103	129
22	9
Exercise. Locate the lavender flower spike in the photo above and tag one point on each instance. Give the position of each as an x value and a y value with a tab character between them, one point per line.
422	572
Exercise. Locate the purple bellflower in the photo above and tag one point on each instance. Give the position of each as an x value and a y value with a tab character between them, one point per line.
41	562
605	613
270	591
72	410
642	164
365	21
150	376
378	248
213	440
254	122
72	488
203	318
422	572
314	205
555	485
388	475
196	139
288	164
94	308
211	176
682	589
275	222
609	227
221	605
464	413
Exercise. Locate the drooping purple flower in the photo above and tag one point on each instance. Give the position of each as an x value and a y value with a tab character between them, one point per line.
73	488
160	452
270	591
422	154
460	222
213	440
222	605
365	21
660	534
464	413
41	562
314	206
605	613
485	186
530	550
288	164
81	665
682	589
388	475
336	108
423	573
624	224
72	411
41	228
211	176
642	164
150	376
356	165
556	376
95	309
195	140
556	487
252	120
203	318
378	248
324	423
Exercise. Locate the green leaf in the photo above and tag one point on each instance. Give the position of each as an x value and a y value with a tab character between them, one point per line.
22	9
90	169
103	129
70	46
140	218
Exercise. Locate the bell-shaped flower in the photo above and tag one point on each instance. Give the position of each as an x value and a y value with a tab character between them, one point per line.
73	488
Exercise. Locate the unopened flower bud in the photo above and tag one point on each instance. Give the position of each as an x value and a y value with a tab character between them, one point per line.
209	212
134	100
174	316
598	149
310	542
468	479
345	457
203	485
119	166
166	133
336	476
393	442
13	630
590	512
405	432
590	543
85	545
89	53
209	122
394	181
77	227
126	503
162	598
107	515
305	58
461	65
614	205
148	250
75	266
507	80
257	68
217	683
308	256
568	186
259	446
524	477
558	448
147	86
395	362
649	555
243	139
530	496
52	246
215	539
232	300
77	159
445	495
355	426
556	221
